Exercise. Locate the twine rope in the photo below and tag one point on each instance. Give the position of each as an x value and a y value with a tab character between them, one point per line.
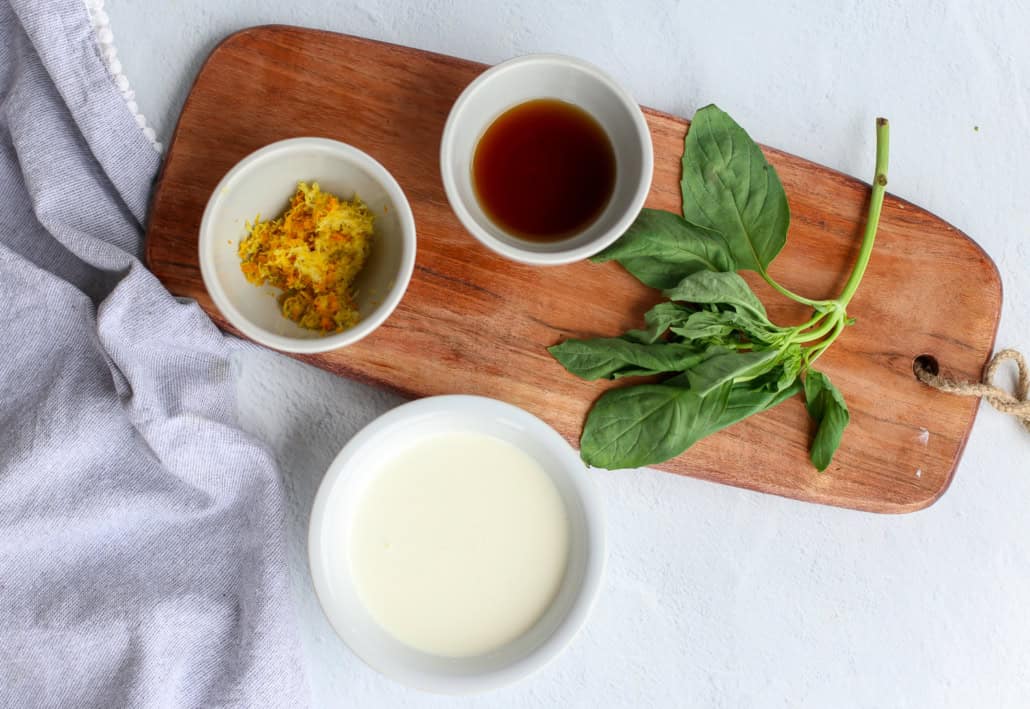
1017	404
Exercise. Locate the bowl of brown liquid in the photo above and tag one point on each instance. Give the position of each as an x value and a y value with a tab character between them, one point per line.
545	159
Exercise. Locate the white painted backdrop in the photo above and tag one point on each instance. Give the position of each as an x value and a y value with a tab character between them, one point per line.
715	596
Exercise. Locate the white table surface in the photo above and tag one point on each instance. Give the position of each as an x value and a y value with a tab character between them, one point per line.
717	597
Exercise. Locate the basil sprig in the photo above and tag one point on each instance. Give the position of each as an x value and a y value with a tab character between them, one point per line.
722	358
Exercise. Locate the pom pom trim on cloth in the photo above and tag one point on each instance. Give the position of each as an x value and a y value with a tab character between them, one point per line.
105	43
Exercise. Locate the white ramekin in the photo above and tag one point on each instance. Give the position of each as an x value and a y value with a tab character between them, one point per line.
568	79
263	183
330	534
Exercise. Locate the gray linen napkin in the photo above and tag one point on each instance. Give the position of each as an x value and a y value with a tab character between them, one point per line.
141	543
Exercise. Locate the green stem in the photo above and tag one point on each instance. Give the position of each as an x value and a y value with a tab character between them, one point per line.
791	294
875	206
811	323
796	333
819	332
817	351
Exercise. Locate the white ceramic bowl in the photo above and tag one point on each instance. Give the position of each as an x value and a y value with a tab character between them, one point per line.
330	535
262	183
548	76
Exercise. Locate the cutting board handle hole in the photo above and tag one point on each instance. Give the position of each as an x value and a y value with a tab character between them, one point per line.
927	363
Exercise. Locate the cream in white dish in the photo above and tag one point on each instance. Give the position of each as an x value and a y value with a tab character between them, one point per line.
459	544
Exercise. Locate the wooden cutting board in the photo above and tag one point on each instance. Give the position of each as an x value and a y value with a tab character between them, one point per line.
474	323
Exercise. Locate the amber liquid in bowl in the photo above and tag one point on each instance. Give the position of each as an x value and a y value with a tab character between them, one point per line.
544	170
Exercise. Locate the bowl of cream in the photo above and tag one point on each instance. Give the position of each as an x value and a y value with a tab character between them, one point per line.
457	544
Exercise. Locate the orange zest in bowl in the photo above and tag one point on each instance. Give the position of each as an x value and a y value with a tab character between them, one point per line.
313	252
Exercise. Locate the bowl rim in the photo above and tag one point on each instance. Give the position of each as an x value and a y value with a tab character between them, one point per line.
286	343
585	596
558	257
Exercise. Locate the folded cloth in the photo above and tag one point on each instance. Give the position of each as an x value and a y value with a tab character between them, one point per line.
142	558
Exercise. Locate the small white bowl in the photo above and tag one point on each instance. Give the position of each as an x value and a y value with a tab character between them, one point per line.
330	536
263	183
537	76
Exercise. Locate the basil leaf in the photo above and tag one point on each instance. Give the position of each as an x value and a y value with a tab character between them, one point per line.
746	399
789	367
727	366
636	372
680	380
612	357
720	288
707	325
730	188
647	424
827	408
660	248
659	319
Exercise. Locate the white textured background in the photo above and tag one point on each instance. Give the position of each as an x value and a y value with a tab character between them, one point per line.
717	597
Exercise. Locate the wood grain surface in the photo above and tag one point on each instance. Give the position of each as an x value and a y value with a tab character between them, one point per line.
474	323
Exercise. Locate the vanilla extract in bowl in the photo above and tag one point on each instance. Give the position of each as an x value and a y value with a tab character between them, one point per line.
544	170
